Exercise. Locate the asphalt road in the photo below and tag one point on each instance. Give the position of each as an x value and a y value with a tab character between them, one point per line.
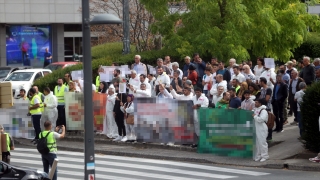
71	167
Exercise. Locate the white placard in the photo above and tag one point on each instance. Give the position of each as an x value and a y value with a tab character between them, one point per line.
122	87
269	63
77	75
140	69
152	70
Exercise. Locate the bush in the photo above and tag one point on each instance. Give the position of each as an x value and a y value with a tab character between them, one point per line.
105	55
311	47
310	115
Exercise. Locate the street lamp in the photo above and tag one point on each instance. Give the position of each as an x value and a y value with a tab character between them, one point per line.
87	78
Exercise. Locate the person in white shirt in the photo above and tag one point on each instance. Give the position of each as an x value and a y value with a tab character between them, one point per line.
298	97
142	92
50	108
219	82
238	75
162	78
145	80
232	63
206	80
250	77
128	110
138	66
218	96
258	69
164	92
151	81
199	100
175	67
110	128
134	81
80	85
247	103
187	95
168	63
270	76
260	117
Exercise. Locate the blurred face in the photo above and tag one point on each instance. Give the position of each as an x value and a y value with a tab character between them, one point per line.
259	62
47	50
167	59
136	59
71	86
251	89
232	94
198	93
282	68
150	77
186	92
294	62
221	65
279	79
219	78
36	88
133	75
110	92
220	90
187	60
161	89
294	74
234	83
196	57
176	75
115	73
247	96
236	71
175	68
306	61
22	94
227	96
142	79
60	82
257	104
261	83
66	77
214	68
160	63
318	73
160	71
207	72
143	87
101	86
213	61
231	63
289	66
129	99
246	69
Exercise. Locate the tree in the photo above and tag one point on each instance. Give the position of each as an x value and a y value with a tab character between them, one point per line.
229	29
140	19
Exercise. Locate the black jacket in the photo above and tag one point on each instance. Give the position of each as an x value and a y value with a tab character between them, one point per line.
308	74
282	93
116	108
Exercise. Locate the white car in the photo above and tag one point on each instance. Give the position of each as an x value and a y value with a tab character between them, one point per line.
24	79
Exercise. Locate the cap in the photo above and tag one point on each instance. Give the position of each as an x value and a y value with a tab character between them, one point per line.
289	62
188	82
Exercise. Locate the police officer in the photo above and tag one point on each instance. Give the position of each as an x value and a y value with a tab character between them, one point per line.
10	146
48	159
35	109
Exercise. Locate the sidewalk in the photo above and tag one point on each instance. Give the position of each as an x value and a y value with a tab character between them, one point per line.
282	155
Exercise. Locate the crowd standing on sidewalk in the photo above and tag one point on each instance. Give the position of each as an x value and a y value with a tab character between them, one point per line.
239	86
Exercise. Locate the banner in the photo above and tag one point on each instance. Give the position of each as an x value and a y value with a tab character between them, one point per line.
227	132
161	120
74	107
15	120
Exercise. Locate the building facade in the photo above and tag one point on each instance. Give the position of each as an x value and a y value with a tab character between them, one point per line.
28	27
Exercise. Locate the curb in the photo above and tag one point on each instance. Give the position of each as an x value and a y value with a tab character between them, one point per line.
281	164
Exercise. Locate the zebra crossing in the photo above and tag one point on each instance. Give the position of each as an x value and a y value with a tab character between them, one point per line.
71	167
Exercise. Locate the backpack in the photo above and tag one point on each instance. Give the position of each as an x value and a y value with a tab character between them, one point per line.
271	119
42	145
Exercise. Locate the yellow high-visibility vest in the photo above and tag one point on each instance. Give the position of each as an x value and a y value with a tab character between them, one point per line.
39	109
60	94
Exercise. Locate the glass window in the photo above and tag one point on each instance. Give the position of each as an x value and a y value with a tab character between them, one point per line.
20	76
4	72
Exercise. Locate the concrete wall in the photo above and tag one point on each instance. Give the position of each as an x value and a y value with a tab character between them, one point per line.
40	11
57	42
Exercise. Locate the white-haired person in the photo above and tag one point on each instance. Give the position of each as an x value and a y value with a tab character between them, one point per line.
134	81
175	67
138	66
110	128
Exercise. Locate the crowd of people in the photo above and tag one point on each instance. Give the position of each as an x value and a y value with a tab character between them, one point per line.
238	86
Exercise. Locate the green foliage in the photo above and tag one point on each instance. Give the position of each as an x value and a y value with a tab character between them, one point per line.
105	55
310	115
228	29
311	47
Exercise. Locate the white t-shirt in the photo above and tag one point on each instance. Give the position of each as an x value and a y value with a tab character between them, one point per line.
240	77
206	78
298	96
258	72
81	84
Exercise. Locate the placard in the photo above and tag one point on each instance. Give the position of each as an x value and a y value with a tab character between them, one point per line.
122	87
77	75
269	63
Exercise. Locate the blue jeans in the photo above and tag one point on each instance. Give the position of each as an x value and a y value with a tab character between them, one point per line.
47	160
300	122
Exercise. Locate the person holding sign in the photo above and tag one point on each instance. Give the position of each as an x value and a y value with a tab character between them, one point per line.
10	145
139	67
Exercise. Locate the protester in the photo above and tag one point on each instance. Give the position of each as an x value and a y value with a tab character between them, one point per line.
199	100
298	98
134	81
67	79
164	92
48	159
72	87
200	67
248	74
293	88
22	94
280	93
119	115
186	66
224	102
224	72
176	81
162	78
187	94
260	117
6	156
166	70
258	69
128	110
232	63
236	84
308	72
175	67
255	91
247	103
219	82
193	75
103	87
50	108
237	74
142	92
138	66
35	110
207	80
235	102
218	96
244	87
270	76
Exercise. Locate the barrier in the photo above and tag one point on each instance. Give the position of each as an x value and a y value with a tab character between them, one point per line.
6	96
227	132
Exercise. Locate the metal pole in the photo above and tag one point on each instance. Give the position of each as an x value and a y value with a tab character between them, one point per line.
126	27
88	107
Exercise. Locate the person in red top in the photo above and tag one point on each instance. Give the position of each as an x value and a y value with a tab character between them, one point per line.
193	75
